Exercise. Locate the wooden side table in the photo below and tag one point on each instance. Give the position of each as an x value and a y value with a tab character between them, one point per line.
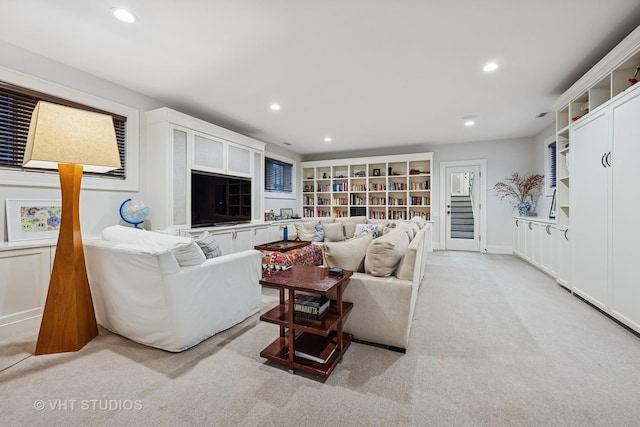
323	336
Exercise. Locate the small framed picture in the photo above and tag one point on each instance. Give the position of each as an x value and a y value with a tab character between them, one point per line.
33	219
376	172
552	211
286	213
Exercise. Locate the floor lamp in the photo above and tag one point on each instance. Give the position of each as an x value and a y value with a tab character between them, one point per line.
70	140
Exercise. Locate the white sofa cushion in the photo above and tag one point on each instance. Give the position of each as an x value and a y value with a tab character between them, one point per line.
184	249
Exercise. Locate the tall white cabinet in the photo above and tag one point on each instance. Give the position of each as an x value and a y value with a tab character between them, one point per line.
623	258
178	144
598	121
604	251
589	206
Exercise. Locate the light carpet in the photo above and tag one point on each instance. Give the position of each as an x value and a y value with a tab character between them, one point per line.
494	342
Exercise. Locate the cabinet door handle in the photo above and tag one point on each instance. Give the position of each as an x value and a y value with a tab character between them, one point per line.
602	160
548	232
565	234
608	159
517	225
530	227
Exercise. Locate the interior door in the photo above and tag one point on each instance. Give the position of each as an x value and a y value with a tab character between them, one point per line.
462	203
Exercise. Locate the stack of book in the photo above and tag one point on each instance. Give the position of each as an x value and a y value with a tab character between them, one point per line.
310	306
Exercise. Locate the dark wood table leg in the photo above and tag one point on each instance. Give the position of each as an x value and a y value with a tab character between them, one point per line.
339	302
291	332
282	328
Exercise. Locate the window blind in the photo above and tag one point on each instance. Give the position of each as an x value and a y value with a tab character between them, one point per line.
16	106
551	156
277	176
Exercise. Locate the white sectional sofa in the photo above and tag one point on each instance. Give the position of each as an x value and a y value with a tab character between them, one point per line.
385	291
141	291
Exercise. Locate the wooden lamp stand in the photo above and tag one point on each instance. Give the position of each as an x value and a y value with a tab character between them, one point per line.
68	320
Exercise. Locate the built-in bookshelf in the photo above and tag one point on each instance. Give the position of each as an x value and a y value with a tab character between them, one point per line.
385	187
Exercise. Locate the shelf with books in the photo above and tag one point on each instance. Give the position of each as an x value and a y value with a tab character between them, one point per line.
310	345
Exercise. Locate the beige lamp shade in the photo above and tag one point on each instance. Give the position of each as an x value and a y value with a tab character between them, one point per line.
59	134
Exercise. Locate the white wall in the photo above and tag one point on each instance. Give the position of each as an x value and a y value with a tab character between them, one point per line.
98	208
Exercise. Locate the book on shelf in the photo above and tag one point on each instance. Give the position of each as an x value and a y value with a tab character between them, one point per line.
310	304
315	348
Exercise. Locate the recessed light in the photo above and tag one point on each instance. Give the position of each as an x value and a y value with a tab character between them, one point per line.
491	66
123	15
327	139
275	107
470	119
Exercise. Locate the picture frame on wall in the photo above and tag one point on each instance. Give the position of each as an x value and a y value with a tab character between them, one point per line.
33	219
552	210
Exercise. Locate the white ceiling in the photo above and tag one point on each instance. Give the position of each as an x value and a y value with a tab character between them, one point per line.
368	73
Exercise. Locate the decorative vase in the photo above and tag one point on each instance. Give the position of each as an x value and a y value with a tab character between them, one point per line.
524	208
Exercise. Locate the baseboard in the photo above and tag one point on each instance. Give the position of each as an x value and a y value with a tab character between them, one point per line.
373	344
500	250
19	322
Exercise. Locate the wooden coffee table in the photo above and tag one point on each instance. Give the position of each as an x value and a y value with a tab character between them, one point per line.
323	336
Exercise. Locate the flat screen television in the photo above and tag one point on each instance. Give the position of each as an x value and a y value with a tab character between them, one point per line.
219	199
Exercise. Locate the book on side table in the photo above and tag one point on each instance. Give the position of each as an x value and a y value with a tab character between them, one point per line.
310	347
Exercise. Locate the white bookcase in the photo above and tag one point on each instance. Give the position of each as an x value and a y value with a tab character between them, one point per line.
384	187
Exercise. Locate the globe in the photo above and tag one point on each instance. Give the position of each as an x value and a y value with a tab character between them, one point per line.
134	212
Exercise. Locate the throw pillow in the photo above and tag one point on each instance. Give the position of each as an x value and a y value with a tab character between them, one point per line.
333	232
384	253
372	229
349	254
209	245
305	230
319	237
350	223
407	229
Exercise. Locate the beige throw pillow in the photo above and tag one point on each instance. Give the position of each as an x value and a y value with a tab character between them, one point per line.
333	232
305	230
348	254
350	224
384	253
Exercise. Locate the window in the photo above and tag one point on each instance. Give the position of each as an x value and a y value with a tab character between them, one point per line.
17	104
278	176
550	163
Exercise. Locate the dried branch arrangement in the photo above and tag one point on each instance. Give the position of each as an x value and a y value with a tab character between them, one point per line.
523	188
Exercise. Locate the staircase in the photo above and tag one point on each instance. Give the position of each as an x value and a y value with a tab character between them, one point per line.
461	217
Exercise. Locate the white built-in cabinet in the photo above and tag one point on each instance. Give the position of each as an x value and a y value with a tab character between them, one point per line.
24	279
535	240
563	258
598	131
604	251
178	144
589	206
